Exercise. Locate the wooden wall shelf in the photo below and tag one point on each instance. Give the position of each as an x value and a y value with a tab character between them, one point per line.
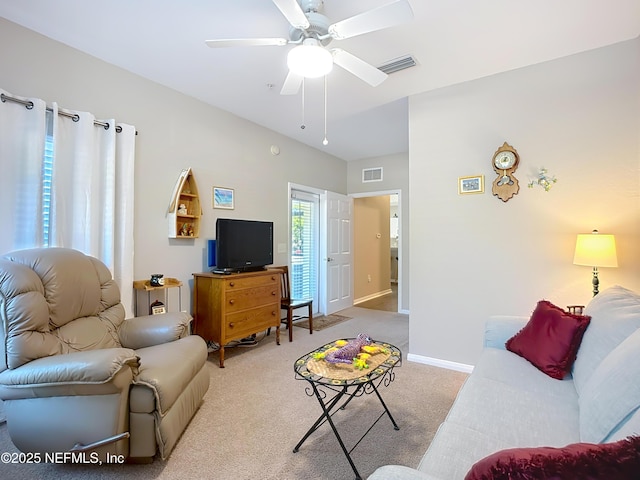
185	210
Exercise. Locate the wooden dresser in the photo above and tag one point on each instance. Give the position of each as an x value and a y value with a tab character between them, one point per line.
235	306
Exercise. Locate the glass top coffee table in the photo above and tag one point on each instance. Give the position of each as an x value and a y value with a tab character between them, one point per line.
335	385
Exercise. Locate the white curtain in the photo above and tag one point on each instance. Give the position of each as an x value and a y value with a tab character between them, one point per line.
123	213
22	139
91	191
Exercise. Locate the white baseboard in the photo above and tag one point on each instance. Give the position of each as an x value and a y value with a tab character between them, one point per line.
372	296
436	362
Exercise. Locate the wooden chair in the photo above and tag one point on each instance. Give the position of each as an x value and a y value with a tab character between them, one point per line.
289	304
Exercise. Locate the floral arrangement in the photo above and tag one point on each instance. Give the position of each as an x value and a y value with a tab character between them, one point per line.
544	180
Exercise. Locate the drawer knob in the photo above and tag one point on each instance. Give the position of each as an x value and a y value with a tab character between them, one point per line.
232	284
273	293
273	313
231	325
232	301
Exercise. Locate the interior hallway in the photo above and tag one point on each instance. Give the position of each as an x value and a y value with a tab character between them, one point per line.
387	303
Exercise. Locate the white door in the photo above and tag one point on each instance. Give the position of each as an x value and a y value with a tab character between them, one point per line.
339	253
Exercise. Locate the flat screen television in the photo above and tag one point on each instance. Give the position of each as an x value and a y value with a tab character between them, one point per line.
243	245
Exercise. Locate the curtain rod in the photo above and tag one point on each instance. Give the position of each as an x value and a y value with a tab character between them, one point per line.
74	116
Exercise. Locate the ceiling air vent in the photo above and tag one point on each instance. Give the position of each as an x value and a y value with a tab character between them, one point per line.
398	64
372	174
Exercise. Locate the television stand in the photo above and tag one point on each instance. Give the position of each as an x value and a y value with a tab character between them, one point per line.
233	306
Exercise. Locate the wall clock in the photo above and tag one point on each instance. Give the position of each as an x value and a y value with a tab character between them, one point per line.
504	162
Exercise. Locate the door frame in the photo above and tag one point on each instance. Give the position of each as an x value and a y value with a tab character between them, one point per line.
381	193
322	231
322	244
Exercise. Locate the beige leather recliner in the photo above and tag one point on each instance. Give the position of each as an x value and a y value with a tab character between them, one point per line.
75	375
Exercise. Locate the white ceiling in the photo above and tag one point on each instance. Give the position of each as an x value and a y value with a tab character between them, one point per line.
452	40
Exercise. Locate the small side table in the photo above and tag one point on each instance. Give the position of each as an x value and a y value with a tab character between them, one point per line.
146	286
331	384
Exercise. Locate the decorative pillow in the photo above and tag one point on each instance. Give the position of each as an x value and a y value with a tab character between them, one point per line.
578	461
550	340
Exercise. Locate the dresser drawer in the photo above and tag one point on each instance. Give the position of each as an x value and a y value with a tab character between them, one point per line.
242	324
249	282
251	297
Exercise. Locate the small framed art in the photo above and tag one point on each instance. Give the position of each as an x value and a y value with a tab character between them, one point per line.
157	308
223	198
472	184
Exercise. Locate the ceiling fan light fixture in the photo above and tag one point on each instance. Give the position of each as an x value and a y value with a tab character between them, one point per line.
310	60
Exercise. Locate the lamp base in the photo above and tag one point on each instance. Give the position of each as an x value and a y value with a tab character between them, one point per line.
595	281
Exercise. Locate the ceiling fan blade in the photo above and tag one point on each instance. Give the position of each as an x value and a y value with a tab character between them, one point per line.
293	13
291	84
358	67
246	42
390	15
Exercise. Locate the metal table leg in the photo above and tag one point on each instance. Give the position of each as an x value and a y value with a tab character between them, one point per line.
326	416
395	425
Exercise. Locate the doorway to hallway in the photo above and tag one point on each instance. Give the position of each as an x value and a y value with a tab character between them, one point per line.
377	250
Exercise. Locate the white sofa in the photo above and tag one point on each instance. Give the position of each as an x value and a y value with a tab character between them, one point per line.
508	403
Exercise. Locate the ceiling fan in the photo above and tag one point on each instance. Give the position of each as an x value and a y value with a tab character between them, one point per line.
311	32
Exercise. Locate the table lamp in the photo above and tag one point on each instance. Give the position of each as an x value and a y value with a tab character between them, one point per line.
595	250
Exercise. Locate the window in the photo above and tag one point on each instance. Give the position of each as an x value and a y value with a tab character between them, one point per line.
47	176
304	245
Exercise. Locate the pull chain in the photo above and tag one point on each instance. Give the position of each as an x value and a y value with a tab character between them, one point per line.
302	126
325	141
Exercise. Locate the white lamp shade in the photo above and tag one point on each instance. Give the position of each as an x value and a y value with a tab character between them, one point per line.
595	250
310	60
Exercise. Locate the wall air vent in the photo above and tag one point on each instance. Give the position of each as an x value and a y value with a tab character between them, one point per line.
398	64
372	174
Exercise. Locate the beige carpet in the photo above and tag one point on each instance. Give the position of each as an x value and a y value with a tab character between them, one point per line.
256	411
322	321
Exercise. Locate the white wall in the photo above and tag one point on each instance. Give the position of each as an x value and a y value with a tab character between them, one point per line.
395	177
175	131
473	255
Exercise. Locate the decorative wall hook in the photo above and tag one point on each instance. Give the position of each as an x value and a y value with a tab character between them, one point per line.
544	180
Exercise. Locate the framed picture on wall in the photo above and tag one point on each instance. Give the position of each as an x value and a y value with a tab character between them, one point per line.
472	184
223	198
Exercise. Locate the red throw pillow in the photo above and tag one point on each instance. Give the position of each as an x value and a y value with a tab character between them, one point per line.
578	461
550	340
